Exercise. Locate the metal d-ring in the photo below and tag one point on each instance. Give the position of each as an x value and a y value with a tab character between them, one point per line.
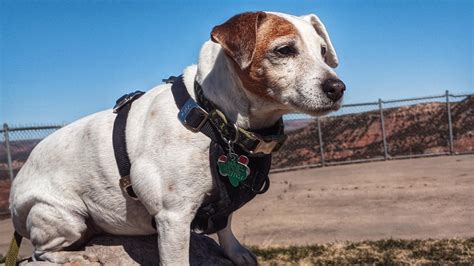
236	136
230	143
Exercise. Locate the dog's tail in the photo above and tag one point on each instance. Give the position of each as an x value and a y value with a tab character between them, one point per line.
12	254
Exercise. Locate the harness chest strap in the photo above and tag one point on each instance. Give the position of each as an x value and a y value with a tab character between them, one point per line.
256	146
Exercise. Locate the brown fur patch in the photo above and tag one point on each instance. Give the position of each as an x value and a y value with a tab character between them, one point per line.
237	36
271	28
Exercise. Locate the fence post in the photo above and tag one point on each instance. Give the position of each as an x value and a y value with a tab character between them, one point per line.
321	145
382	126
450	124
7	148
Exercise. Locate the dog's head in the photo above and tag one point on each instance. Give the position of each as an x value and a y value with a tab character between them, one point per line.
284	59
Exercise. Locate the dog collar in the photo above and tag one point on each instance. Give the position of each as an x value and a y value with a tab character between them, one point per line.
205	117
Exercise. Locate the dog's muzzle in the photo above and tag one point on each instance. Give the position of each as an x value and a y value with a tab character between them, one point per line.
334	89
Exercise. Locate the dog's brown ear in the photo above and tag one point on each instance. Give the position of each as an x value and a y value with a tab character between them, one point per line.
238	37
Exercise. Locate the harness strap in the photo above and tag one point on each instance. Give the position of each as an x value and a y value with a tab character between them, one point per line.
194	117
213	216
120	143
121	108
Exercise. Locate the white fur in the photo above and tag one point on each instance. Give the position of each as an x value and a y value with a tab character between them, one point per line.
71	176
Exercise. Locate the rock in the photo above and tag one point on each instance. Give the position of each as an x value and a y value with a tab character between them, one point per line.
139	250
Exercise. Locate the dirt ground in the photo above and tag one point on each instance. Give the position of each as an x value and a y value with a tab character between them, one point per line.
418	198
409	199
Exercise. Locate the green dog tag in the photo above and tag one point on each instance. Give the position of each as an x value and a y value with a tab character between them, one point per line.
234	167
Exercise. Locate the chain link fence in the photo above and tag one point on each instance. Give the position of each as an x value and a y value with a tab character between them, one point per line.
417	127
363	132
382	130
16	143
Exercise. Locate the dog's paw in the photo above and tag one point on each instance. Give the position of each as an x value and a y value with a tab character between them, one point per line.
242	256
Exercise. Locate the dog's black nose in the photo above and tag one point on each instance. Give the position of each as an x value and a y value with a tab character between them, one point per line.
334	89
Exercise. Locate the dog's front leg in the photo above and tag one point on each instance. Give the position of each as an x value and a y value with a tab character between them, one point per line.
172	206
233	249
173	237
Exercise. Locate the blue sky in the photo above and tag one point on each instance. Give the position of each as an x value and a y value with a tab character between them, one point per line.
61	60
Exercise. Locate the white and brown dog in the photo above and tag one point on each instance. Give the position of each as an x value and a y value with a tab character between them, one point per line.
258	67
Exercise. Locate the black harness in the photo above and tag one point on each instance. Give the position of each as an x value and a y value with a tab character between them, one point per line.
203	116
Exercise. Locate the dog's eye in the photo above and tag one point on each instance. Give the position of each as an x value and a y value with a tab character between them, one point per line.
285	50
323	51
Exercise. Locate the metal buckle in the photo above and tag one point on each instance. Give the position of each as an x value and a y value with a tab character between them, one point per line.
265	147
126	185
122	101
189	107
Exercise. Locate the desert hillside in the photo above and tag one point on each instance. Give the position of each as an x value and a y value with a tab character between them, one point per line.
415	129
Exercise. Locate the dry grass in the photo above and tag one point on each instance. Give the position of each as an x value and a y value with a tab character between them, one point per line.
381	252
